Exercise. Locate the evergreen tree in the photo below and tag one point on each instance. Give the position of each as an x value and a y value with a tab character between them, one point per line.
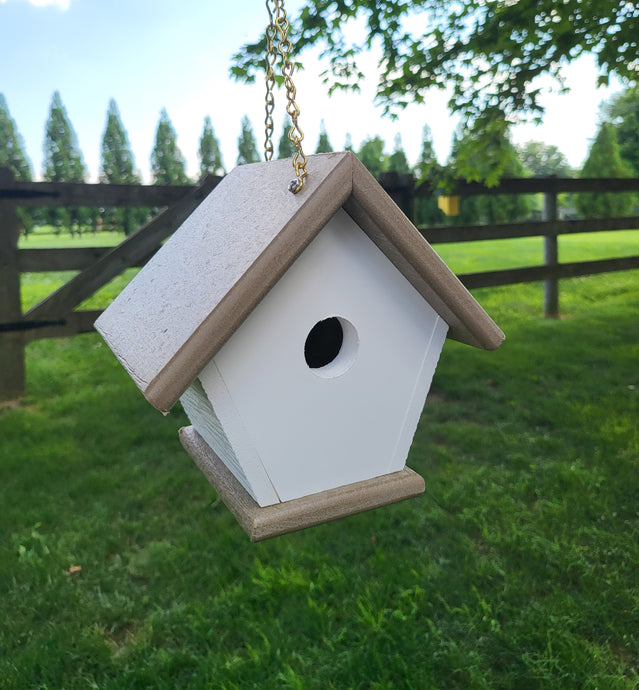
323	144
63	162
371	154
604	160
426	210
211	162
397	161
117	166
246	144
12	154
286	147
117	162
167	162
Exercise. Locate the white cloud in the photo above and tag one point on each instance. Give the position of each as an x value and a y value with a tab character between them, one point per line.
62	5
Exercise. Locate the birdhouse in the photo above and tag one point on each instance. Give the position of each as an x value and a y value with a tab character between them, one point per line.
300	333
449	205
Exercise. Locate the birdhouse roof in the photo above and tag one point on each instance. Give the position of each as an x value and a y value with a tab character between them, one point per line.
201	285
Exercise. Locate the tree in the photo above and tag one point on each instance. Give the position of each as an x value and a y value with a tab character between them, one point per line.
117	166
604	160
62	161
246	144
397	161
623	112
348	142
168	165
210	155
323	144
500	208
489	53
13	156
371	154
12	153
62	156
427	169
286	147
543	160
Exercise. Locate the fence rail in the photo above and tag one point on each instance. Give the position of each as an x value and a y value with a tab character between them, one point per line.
55	316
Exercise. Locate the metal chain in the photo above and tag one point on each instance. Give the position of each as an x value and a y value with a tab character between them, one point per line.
278	28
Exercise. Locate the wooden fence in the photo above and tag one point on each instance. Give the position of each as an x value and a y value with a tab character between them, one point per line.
55	316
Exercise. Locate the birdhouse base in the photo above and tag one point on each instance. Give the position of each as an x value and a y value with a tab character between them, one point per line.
281	518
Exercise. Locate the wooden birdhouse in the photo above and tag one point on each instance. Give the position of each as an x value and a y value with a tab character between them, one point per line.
301	333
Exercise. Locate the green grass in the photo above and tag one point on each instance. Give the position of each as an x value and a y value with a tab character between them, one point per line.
517	568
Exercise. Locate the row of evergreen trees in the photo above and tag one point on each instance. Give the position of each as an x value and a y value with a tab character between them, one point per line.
613	153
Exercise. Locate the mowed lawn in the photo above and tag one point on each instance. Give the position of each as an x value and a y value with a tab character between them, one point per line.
518	568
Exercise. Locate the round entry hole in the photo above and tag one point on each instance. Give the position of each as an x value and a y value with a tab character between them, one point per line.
331	347
323	342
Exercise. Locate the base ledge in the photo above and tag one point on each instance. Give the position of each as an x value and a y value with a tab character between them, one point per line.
282	518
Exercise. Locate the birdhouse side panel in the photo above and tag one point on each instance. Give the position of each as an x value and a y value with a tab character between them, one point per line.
246	460
418	398
201	414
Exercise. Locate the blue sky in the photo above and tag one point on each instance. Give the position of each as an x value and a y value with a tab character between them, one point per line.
150	54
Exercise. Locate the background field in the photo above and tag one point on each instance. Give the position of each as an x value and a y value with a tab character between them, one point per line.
518	567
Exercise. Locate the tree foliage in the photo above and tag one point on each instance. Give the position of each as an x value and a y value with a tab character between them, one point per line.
371	154
63	162
471	162
543	160
246	144
117	166
14	157
12	150
62	156
209	153
427	169
168	165
323	143
604	160
623	112
286	147
397	161
488	53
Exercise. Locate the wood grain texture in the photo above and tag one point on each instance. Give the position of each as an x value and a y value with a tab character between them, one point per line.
12	370
272	521
398	238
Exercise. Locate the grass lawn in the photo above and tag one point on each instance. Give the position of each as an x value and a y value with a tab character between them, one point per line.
519	566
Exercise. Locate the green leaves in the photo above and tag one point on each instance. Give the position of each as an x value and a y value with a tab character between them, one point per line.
489	54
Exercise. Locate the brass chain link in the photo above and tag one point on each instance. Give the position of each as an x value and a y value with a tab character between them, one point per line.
278	29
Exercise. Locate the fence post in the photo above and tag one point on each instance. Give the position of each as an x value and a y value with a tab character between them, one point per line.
551	258
12	379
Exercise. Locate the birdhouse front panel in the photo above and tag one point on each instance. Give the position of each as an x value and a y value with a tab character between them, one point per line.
324	382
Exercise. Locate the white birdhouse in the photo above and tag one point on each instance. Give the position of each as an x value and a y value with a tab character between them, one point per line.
301	333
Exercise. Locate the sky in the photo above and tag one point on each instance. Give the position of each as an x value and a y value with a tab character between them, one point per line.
176	54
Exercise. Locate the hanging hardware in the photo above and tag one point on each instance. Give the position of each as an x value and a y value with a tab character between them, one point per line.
277	31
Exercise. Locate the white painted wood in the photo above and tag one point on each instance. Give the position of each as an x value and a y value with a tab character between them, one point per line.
422	386
239	438
312	433
202	415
